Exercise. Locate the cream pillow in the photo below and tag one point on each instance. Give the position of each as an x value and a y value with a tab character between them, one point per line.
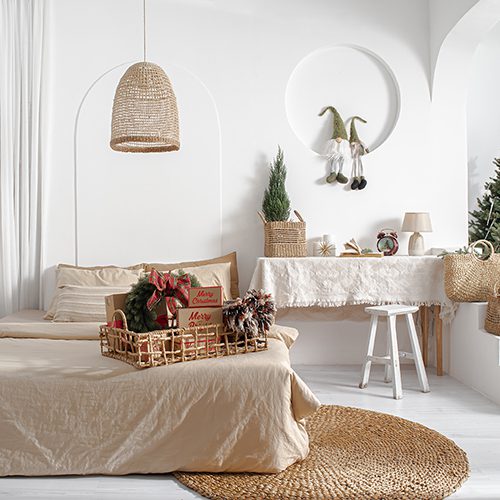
108	276
213	275
230	257
84	303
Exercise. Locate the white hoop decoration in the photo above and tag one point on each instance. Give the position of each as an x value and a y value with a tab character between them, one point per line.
369	89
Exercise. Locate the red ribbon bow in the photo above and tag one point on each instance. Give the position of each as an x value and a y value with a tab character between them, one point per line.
171	287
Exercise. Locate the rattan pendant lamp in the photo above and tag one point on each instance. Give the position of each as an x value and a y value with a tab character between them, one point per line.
145	116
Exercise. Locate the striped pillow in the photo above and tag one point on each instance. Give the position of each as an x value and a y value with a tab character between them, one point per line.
104	276
84	303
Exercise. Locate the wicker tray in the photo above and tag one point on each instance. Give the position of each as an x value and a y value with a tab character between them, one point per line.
175	345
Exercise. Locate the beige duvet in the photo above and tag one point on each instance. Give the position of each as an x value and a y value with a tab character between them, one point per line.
65	409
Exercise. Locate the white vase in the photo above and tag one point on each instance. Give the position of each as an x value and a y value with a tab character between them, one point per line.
317	249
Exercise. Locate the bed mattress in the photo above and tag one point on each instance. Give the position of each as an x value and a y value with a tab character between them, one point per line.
65	409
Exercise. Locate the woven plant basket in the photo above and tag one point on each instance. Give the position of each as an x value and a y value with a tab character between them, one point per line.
284	238
492	322
469	277
145	117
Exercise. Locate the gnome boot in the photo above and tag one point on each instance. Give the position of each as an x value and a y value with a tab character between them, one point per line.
358	149
331	178
335	147
342	178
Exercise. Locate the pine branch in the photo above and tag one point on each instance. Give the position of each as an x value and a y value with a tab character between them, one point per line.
484	223
276	203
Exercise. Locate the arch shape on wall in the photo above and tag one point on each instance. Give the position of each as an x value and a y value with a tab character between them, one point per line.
199	158
457	49
449	98
75	153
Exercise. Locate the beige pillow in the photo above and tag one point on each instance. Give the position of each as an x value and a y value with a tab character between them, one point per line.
84	303
105	276
230	257
213	275
93	268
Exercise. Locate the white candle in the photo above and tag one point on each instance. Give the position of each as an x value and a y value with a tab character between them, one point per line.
317	248
328	239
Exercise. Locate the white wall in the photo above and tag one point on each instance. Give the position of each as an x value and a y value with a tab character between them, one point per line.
483	114
237	57
443	16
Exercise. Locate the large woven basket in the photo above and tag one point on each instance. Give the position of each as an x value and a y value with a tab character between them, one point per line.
492	322
145	116
470	277
285	238
174	345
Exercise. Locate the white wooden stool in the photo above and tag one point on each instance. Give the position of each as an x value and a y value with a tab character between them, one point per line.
391	359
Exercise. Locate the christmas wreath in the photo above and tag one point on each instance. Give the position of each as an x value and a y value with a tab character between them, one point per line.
147	293
252	314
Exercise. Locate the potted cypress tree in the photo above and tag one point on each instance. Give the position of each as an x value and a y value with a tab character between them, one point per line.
283	238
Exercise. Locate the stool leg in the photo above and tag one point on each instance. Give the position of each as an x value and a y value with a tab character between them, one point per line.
396	373
417	356
387	369
424	318
365	372
438	329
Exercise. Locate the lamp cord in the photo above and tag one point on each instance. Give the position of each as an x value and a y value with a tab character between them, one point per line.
144	26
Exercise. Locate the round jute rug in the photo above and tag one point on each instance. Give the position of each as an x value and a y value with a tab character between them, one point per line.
354	454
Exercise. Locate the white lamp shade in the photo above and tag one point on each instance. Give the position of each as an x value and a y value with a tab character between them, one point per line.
416	222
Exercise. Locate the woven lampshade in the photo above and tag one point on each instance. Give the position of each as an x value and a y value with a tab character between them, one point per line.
145	117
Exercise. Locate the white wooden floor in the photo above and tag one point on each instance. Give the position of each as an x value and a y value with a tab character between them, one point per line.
451	408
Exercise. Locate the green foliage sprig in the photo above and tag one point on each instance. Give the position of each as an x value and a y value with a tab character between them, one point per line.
461	251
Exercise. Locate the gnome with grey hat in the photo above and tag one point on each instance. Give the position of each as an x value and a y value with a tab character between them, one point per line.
358	149
336	148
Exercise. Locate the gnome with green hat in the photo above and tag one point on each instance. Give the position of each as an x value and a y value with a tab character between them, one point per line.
336	148
358	149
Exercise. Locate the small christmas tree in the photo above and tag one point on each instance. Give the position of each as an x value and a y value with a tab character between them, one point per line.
484	223
276	204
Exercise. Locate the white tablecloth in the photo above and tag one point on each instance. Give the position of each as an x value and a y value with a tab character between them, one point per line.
335	281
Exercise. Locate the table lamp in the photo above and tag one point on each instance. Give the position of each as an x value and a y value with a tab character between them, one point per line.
416	223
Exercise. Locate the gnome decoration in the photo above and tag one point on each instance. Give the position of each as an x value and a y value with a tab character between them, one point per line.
336	148
358	149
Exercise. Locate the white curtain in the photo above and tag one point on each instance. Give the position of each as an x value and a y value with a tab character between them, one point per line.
21	54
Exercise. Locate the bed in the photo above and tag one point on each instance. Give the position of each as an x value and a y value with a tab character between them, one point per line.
65	409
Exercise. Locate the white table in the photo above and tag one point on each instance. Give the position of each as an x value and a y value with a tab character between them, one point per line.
340	281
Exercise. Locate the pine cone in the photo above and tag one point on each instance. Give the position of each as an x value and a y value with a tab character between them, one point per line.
251	315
